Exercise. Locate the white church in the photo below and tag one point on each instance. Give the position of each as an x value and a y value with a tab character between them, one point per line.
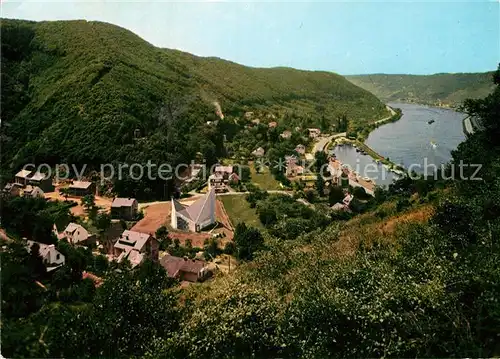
195	217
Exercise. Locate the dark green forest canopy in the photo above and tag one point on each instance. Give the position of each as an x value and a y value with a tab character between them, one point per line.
90	92
437	89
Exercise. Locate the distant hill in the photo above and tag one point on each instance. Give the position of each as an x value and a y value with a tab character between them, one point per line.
91	92
438	89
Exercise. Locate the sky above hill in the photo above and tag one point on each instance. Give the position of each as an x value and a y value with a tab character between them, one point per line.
345	37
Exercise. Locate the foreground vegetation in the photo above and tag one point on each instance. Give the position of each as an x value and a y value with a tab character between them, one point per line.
436	90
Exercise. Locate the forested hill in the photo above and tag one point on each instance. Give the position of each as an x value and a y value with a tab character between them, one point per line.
89	92
439	89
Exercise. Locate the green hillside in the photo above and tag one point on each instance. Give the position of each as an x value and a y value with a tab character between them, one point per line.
91	92
438	89
415	275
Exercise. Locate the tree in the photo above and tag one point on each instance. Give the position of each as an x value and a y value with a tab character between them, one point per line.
335	195
65	192
243	172
161	233
248	240
320	158
230	248
102	222
359	192
320	185
88	203
310	195
211	248
162	236
101	264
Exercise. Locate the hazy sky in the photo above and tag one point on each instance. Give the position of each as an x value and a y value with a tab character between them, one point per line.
345	37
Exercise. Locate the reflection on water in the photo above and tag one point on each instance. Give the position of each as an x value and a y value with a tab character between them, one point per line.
364	165
416	137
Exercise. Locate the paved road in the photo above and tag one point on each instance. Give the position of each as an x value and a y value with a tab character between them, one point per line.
289	193
388	117
198	195
323	141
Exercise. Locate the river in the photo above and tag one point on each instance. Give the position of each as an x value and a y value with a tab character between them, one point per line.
408	141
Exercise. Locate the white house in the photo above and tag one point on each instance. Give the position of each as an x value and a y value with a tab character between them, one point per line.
77	235
259	152
136	247
301	149
314	132
33	192
50	255
195	217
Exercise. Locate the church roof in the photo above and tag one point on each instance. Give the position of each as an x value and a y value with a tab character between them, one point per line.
201	210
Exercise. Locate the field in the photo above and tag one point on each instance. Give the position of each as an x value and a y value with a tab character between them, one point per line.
239	210
264	180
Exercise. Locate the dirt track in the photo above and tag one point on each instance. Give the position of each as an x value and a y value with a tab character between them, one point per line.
102	202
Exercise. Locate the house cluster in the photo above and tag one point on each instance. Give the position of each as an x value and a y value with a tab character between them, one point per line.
51	257
300	149
135	247
221	178
345	177
194	172
344	205
293	169
28	184
314	132
81	188
259	152
130	245
124	208
184	269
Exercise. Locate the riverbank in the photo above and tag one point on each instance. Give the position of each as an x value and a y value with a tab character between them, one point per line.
361	134
370	152
358	139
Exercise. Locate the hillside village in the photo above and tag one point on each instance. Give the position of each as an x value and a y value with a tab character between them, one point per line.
204	214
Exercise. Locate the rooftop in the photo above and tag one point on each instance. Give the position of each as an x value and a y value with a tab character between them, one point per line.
38	176
173	265
199	211
132	240
80	184
23	173
224	169
123	202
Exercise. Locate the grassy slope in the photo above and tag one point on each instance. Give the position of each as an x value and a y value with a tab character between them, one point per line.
450	89
239	210
264	180
77	90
